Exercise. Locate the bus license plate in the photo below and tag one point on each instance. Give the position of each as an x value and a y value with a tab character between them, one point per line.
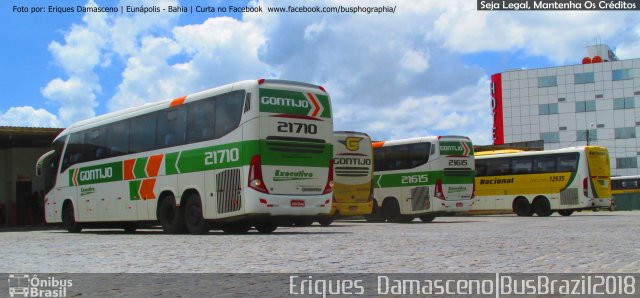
353	208
458	204
297	203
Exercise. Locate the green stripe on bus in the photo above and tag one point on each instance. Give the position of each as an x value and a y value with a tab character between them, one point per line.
99	173
418	179
134	186
139	168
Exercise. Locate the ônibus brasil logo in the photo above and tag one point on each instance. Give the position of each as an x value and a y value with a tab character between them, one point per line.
23	285
292	175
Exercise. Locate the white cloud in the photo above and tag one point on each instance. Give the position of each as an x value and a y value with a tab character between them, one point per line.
29	117
393	75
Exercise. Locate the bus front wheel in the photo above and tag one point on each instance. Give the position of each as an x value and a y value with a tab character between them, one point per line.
195	222
69	219
391	211
171	219
522	207
565	212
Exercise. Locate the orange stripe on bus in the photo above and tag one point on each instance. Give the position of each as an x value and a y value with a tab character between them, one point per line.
153	165
178	101
128	169
146	189
377	144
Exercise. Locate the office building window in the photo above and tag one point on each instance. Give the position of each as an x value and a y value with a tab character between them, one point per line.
548	108
550	137
548	81
584	78
585	106
581	135
623	103
622	74
625	132
626	162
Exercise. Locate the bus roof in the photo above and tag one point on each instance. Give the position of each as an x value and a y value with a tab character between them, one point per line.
418	140
167	103
533	153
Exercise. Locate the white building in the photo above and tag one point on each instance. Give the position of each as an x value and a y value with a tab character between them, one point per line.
565	106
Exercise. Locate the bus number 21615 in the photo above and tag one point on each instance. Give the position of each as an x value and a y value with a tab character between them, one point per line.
415	179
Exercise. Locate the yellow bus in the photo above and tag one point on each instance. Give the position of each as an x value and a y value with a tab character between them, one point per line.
625	191
542	182
353	175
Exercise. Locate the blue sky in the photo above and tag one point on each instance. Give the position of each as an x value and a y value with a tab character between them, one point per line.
423	70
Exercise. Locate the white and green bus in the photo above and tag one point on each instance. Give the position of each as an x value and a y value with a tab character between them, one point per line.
247	154
422	177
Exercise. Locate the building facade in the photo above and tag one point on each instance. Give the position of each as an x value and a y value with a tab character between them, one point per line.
596	102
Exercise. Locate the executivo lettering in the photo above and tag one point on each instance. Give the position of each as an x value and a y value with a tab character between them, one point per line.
497	181
292	175
286	102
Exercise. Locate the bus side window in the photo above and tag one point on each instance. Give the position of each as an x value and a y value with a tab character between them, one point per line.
544	164
118	138
379	159
200	120
522	165
397	157
568	162
418	154
142	135
228	112
481	167
171	127
95	139
74	152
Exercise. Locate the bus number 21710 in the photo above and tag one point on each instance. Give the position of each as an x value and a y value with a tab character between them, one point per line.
221	156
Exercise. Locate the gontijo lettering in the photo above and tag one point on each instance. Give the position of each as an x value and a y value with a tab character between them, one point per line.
287	102
96	174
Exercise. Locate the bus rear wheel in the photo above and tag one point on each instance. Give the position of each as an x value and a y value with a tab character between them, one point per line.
171	219
565	212
427	218
325	222
542	207
266	227
522	207
391	211
236	228
376	214
69	219
195	222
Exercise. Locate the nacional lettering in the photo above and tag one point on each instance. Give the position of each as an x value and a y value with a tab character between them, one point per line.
287	102
497	181
95	174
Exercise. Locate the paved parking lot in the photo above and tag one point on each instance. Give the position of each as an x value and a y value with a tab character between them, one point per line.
583	242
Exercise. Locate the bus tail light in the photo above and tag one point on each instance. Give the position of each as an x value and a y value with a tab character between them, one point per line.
255	175
329	186
585	187
439	193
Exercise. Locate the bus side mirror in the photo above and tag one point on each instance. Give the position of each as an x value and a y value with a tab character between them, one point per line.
41	161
